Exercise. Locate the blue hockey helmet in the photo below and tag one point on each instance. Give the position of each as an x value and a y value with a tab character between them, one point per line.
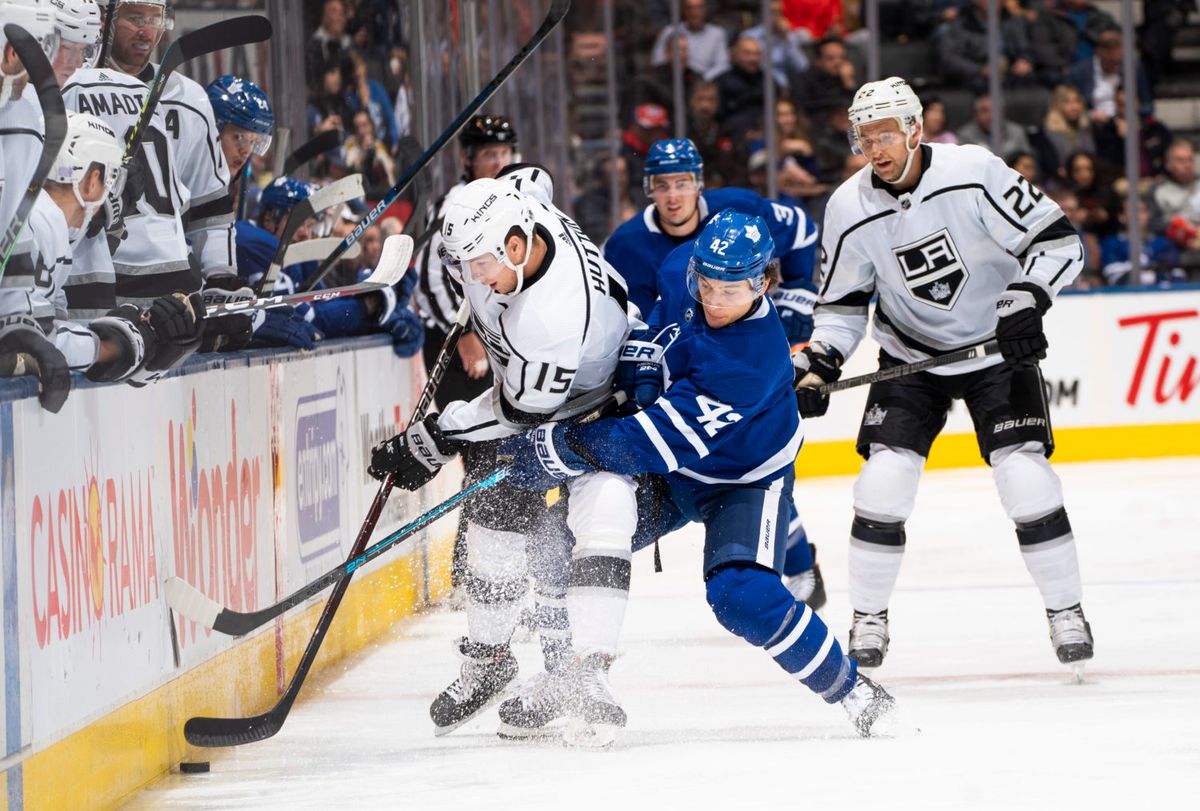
282	195
242	103
672	156
729	261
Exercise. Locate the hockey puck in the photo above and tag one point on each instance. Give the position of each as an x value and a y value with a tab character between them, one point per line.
193	767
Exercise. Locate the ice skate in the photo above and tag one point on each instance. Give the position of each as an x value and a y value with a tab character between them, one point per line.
869	638
486	671
597	716
808	587
1071	636
870	707
538	704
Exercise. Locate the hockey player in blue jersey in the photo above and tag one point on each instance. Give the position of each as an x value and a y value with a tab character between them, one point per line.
724	433
674	173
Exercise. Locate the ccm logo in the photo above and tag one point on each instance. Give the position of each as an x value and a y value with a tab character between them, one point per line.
1024	422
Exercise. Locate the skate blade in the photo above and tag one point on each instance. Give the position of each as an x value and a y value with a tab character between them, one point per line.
1077	672
541	734
582	735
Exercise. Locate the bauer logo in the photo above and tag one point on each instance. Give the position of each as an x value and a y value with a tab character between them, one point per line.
318	471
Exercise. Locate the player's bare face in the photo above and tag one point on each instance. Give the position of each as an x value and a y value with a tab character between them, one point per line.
724	302
237	143
883	144
71	57
135	36
676	199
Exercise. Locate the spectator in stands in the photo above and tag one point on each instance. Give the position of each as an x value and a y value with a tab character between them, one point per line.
329	43
1177	196
650	123
708	49
1088	21
724	160
1051	40
656	84
1159	255
1025	164
366	94
830	126
592	209
820	17
741	87
979	131
934	130
402	106
788	60
1093	191
1068	201
364	152
1161	22
1066	127
797	171
962	50
1153	140
1098	78
829	79
327	108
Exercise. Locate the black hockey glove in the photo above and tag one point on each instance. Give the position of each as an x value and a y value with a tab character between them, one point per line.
1019	311
795	308
413	457
813	367
25	350
178	323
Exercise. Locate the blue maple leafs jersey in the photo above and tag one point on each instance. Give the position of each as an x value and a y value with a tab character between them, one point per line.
639	245
727	414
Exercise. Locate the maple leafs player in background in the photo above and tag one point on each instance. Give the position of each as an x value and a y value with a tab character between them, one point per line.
724	433
173	228
958	248
674	181
552	316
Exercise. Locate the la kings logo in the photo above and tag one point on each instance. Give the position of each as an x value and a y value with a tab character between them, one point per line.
933	269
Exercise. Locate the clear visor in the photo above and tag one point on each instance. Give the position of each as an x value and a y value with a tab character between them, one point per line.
73	55
867	144
451	264
663	185
484	269
159	19
715	294
256	142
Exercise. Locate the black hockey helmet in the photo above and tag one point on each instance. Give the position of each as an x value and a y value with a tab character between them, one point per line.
488	129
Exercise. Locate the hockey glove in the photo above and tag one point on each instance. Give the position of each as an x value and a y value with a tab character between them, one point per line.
25	350
408	332
639	368
226	288
284	326
541	459
178	323
413	457
813	367
795	308
1019	311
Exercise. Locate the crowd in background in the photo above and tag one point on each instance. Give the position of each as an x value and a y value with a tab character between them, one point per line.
1064	125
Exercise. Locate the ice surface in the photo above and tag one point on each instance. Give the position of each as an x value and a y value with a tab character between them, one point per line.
992	720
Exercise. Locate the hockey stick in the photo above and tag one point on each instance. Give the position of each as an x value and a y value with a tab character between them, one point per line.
186	600
106	32
335	194
558	10
41	74
311	250
314	147
970	353
230	33
231	731
393	264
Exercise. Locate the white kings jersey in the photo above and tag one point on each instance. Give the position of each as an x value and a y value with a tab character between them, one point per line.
33	283
21	132
937	256
186	199
553	347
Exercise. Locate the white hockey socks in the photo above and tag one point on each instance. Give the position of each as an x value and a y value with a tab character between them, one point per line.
876	551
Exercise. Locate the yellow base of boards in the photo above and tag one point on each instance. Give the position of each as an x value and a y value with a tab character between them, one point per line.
1071	445
102	764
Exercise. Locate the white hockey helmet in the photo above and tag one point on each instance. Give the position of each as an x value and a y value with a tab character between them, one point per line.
77	23
36	17
478	221
89	141
531	179
890	98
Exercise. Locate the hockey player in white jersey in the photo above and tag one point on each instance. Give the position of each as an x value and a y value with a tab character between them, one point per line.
78	25
177	211
552	315
959	249
120	343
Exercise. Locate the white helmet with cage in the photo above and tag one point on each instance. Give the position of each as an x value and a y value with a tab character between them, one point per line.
36	17
89	142
477	223
890	98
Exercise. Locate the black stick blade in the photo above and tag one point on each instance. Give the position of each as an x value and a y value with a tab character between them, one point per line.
313	148
231	33
213	732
